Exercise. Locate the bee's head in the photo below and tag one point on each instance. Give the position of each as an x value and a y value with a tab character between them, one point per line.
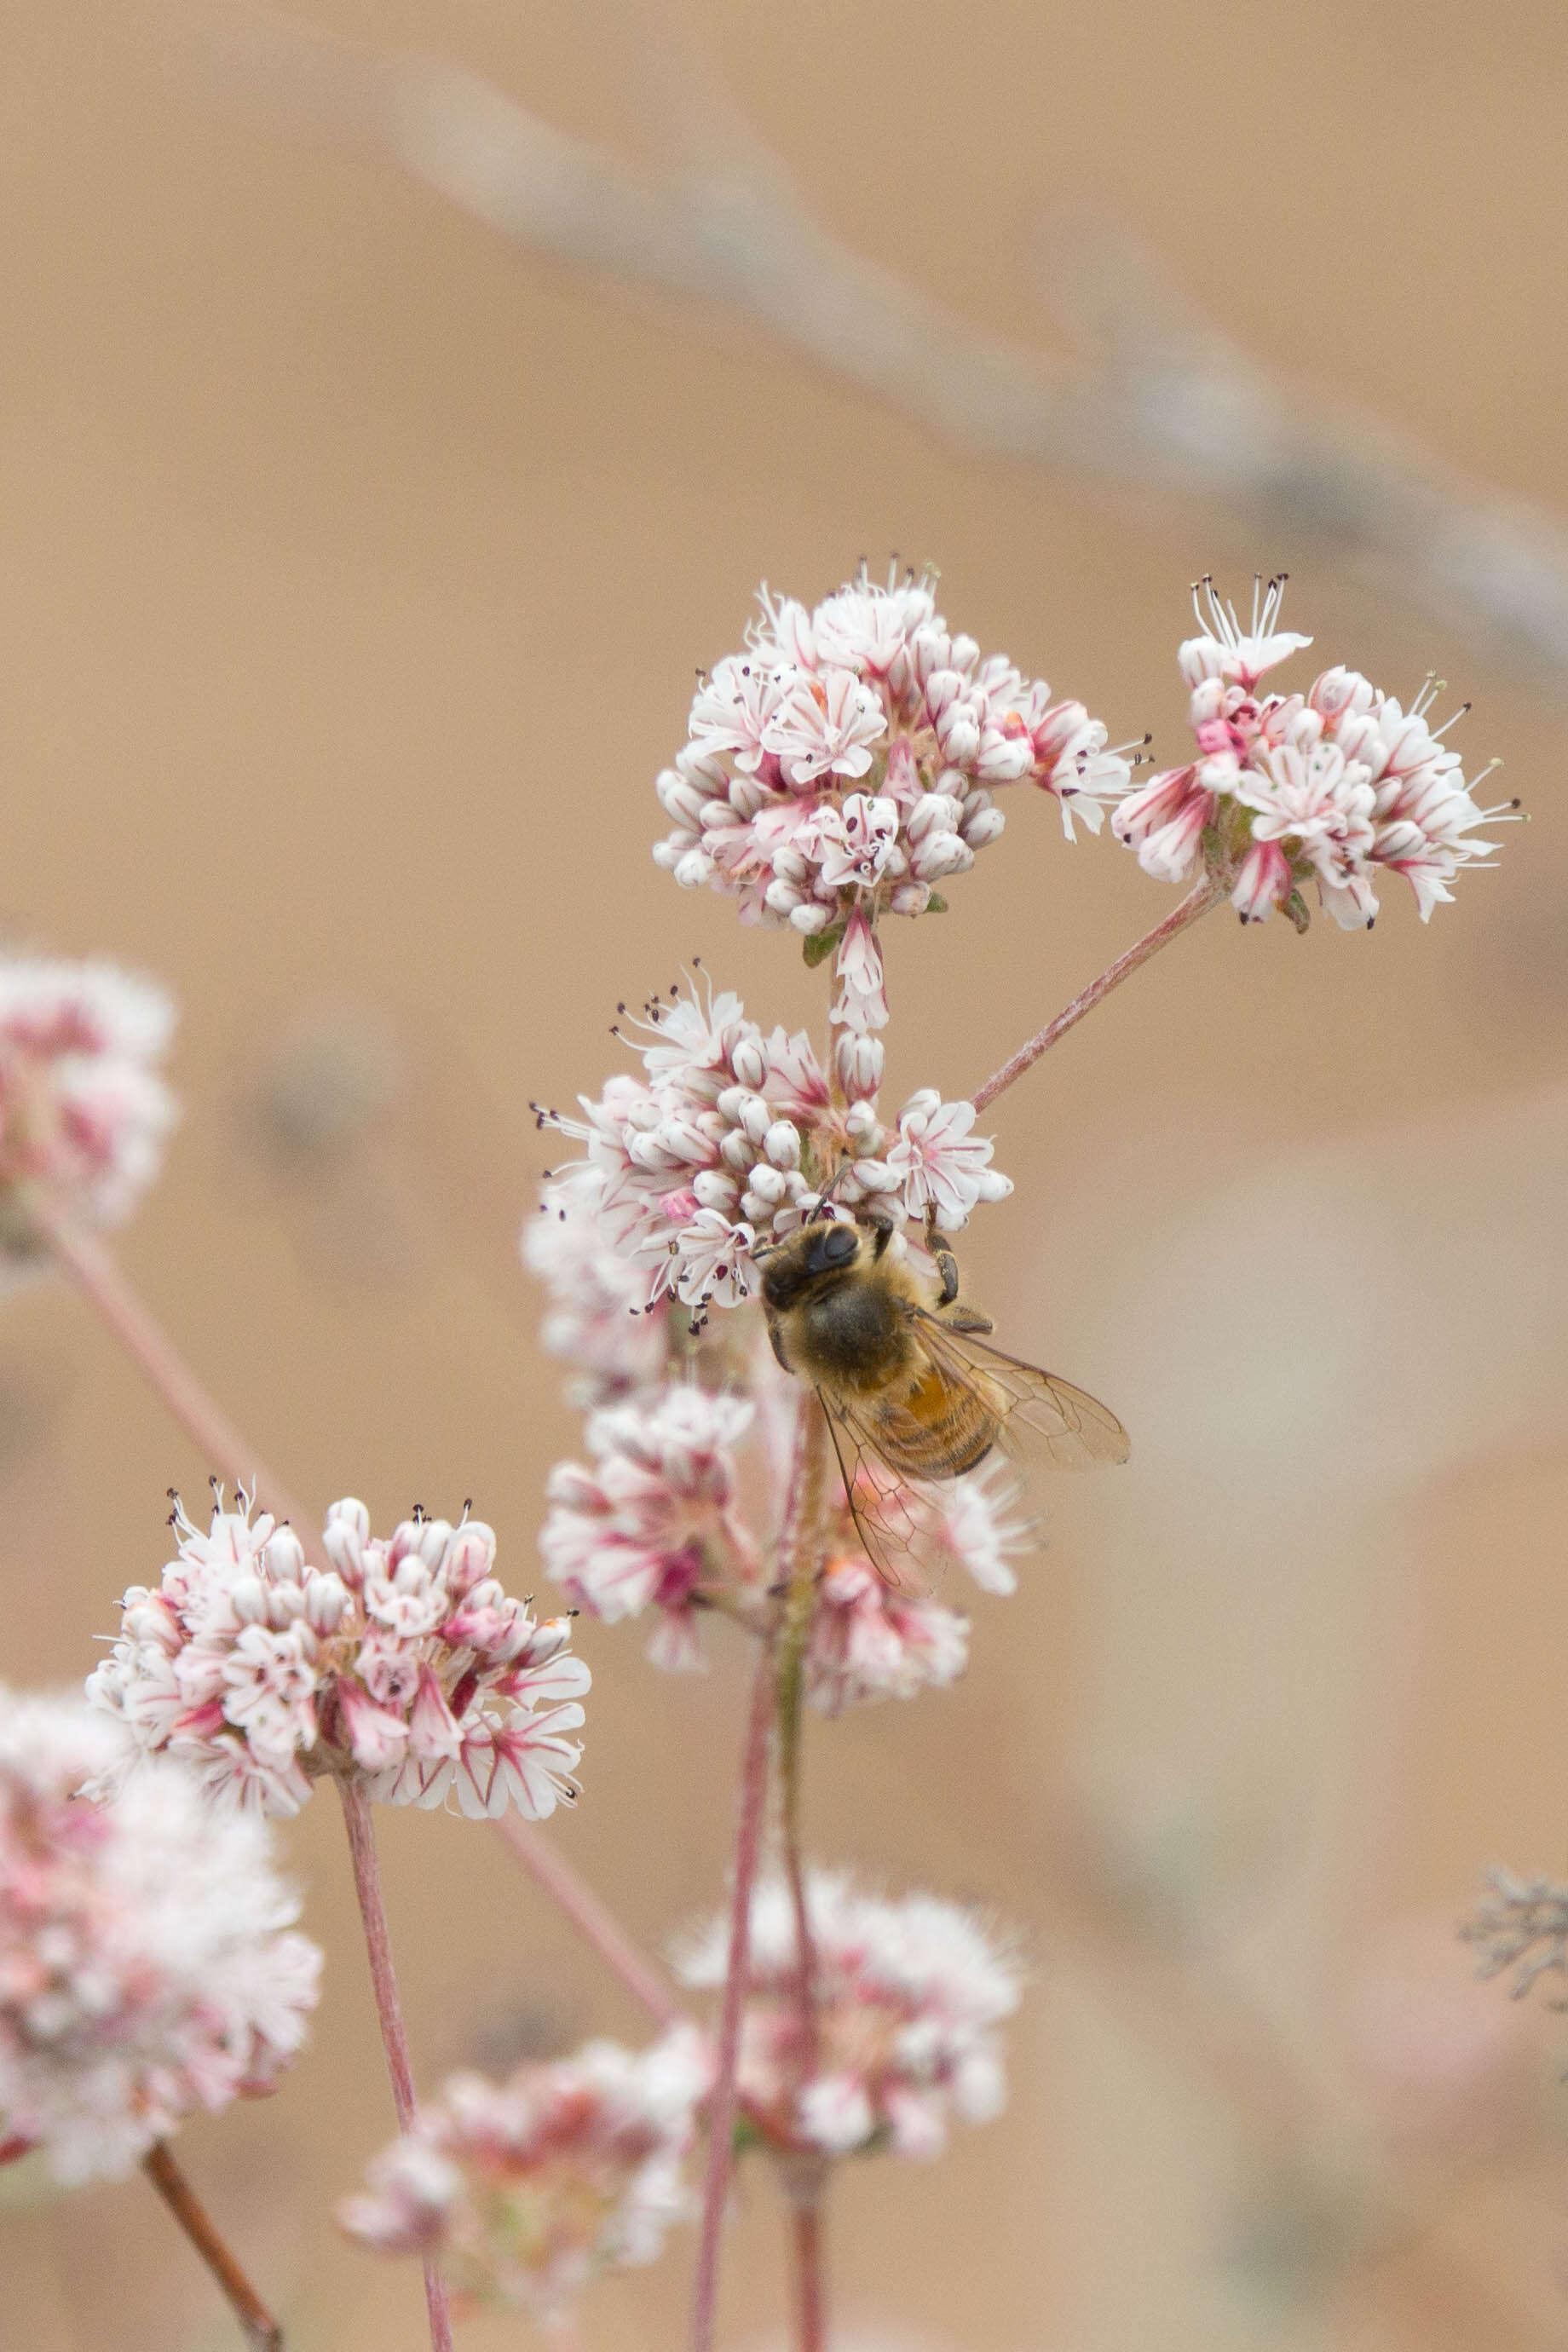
813	1258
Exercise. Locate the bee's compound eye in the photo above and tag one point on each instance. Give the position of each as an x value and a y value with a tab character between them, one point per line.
839	1245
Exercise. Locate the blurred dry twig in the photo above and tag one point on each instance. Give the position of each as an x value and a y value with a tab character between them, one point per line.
1159	397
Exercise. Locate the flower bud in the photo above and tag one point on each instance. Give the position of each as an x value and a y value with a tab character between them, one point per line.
861	1063
933	813
713	1189
782	1144
782	897
247	1597
285	1556
749	1061
812	919
326	1598
679	798
982	827
693	869
910	898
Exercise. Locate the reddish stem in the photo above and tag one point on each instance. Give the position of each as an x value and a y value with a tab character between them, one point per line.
261	2330
810	2308
722	2100
144	1339
360	1829
597	1924
1205	894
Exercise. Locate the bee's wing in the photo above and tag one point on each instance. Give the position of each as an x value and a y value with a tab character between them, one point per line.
876	1493
1041	1415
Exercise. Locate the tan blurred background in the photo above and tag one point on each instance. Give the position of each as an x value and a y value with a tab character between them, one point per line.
354	563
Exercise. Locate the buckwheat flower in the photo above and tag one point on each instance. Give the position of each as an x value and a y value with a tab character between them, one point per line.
910	1993
942	1169
653	1523
871	1641
147	1968
530	2189
82	1108
732	1138
403	1664
845	764
1335	788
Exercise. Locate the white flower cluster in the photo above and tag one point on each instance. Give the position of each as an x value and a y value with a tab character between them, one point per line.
403	1664
846	760
908	1995
734	1136
147	1969
82	1109
527	2189
1337	787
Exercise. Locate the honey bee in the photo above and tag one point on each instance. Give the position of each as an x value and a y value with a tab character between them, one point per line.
905	1372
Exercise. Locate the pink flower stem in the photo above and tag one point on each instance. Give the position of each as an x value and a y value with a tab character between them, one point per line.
802	1550
593	1922
1205	894
361	1828
261	2330
722	2099
104	1287
810	2308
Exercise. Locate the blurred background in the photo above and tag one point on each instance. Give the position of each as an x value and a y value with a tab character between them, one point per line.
394	411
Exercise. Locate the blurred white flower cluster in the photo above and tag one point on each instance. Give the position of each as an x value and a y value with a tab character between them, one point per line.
527	2189
403	1664
908	1994
148	1970
83	1111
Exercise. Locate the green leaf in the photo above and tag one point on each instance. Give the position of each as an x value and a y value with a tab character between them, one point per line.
936	904
820	945
1296	907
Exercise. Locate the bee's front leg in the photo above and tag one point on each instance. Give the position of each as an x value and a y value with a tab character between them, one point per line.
957	1318
940	1249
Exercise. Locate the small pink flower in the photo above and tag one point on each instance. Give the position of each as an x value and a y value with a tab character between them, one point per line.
530	2189
147	1967
938	1166
862	1001
825	726
403	1664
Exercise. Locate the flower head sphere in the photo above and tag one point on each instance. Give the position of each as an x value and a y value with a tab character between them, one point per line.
148	1970
733	1136
530	2188
1338	787
843	766
403	1664
909	1994
83	1111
